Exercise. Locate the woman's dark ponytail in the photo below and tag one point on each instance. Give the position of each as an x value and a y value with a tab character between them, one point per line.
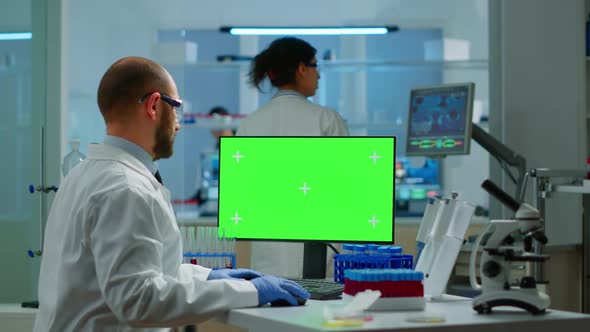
258	69
279	62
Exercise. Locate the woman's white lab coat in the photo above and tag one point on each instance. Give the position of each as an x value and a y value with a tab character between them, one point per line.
112	255
289	114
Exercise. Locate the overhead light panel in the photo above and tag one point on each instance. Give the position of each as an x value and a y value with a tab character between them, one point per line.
15	35
282	31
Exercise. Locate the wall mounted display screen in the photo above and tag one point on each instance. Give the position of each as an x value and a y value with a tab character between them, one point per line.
439	121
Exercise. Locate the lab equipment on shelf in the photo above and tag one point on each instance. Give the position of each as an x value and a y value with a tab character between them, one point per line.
212	121
209	247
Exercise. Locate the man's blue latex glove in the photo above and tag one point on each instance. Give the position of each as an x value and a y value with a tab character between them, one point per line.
234	274
271	289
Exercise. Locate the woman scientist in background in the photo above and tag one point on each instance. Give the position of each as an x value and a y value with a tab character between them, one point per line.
291	66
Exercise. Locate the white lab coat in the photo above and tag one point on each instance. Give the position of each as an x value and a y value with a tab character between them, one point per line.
292	115
112	255
288	115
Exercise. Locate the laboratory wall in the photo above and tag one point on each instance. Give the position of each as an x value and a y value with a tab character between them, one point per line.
96	36
540	99
538	69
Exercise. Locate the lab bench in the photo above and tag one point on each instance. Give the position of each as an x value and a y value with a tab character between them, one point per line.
456	311
14	318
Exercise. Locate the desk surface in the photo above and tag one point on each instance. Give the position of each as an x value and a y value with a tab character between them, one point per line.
459	315
14	310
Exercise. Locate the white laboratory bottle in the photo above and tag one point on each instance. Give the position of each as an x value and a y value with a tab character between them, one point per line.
73	158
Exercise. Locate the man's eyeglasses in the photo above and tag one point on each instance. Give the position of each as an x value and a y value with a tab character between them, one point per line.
311	64
176	103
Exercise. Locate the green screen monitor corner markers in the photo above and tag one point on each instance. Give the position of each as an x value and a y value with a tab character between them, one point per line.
307	189
439	120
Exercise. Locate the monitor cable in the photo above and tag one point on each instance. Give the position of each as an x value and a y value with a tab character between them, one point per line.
333	248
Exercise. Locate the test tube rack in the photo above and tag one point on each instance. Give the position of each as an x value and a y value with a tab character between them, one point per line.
194	258
344	262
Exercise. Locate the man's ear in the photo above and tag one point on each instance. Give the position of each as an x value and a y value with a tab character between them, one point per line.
151	105
301	68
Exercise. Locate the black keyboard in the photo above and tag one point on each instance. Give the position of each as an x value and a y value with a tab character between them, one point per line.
321	289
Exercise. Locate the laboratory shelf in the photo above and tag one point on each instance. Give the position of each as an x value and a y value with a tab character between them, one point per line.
348	65
235	123
193	219
385	65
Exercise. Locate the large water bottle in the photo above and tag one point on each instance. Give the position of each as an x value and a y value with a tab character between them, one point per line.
73	158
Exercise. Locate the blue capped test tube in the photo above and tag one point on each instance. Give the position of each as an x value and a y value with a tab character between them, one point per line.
372	249
359	249
347	248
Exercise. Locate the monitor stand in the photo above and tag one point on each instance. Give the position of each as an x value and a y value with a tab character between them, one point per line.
314	260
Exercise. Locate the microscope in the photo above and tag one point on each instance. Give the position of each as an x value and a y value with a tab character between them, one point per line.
500	250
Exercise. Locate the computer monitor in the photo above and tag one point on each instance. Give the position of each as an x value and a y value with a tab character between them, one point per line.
308	189
439	120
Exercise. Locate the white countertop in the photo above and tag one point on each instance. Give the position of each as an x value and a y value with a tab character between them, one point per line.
458	313
14	310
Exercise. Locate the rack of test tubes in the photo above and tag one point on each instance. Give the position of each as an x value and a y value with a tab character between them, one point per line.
370	256
401	289
390	282
209	247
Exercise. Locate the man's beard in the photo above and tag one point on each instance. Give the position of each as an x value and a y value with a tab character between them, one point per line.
164	141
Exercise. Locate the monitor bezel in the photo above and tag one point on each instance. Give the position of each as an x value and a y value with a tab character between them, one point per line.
468	120
310	240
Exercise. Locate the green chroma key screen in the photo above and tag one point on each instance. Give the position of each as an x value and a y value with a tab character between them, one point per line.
338	189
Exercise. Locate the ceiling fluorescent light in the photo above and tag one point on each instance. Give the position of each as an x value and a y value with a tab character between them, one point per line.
15	35
352	30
